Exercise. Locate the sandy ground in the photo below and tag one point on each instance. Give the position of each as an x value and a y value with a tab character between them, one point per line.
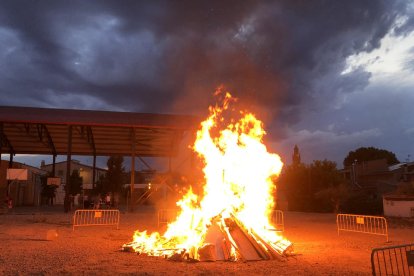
28	246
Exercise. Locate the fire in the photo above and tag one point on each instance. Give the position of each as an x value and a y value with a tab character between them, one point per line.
237	193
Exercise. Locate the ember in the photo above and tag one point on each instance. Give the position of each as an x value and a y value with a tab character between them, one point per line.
230	221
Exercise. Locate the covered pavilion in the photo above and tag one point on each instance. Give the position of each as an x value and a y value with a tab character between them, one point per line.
46	131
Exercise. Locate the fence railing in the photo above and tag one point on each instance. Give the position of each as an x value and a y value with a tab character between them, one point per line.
362	224
95	217
393	260
166	216
277	220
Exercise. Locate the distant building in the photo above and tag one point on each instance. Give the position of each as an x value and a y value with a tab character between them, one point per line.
22	192
85	172
378	177
398	206
296	156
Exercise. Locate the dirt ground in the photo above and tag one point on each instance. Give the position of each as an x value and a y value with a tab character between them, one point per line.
28	245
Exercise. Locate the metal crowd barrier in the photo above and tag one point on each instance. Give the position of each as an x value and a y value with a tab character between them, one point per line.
277	220
95	217
393	260
166	216
362	224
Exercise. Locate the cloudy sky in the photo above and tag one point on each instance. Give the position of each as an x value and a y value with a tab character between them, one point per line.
330	76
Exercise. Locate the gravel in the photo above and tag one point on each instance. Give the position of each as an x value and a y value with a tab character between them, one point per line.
43	243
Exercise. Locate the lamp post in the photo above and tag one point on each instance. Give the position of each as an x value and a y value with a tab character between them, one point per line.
354	172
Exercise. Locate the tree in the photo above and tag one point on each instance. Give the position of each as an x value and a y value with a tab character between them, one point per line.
335	196
75	183
313	187
48	191
368	154
114	177
100	185
324	174
293	181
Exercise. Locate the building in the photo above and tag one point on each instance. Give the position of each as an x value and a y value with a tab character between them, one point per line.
22	192
394	184
378	177
398	206
85	172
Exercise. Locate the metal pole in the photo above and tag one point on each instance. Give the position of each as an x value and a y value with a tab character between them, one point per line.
133	146
94	171
66	204
131	203
11	160
9	181
53	166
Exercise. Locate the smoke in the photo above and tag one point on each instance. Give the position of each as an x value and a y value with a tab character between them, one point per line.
170	56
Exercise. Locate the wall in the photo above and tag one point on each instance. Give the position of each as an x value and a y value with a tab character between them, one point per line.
22	192
398	208
86	172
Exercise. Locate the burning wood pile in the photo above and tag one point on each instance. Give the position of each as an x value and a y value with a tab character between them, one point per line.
226	240
230	221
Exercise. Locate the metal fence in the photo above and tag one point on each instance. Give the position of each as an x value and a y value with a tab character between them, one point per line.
95	217
277	220
362	224
393	260
166	216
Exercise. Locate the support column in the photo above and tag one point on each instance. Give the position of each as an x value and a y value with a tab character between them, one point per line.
131	186
0	157
1	139
11	160
132	200
9	181
66	204
94	171
53	166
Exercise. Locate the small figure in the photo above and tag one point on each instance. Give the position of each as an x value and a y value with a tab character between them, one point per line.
9	202
108	201
97	202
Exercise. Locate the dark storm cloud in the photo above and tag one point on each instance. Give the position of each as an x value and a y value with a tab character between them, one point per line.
169	56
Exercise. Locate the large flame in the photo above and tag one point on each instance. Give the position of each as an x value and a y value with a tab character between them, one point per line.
238	172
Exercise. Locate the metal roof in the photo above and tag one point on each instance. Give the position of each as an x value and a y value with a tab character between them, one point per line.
28	130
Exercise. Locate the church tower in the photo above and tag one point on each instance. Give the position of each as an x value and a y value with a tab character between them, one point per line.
296	156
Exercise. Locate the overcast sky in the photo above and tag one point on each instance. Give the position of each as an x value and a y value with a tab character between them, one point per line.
329	76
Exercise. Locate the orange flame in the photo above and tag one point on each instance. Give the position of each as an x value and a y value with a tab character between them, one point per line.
237	171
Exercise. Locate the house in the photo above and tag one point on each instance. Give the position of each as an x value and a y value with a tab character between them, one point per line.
22	192
377	176
398	205
85	172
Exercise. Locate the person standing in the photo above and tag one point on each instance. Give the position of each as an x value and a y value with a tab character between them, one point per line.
108	200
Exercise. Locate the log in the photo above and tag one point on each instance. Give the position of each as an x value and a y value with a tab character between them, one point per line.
207	253
260	248
244	246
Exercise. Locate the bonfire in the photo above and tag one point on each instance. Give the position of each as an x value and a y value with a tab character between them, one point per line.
231	220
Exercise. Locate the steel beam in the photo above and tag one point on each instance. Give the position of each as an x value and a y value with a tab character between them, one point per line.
133	145
68	161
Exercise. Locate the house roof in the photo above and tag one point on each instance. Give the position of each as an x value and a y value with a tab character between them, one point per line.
73	161
397	197
400	165
20	165
28	130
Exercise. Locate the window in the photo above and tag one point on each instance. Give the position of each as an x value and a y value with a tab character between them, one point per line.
60	173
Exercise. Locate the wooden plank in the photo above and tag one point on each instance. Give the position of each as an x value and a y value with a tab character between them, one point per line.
244	246
260	248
